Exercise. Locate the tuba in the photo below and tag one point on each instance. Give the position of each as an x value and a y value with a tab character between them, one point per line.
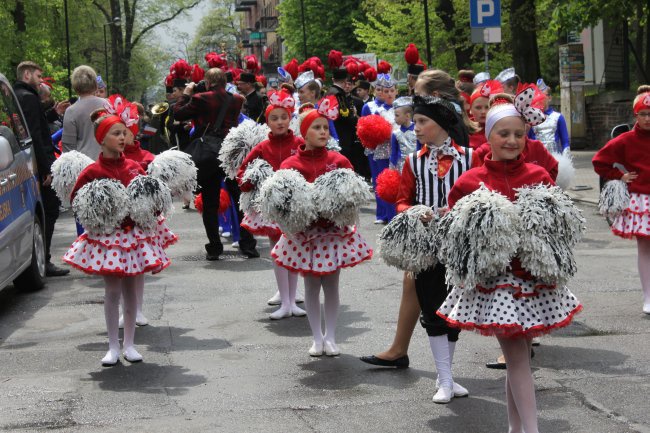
160	109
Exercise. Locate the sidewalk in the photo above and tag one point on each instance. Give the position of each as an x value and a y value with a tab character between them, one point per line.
585	186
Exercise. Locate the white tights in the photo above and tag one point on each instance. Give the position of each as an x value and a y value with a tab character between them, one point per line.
330	284
286	280
139	293
520	388
643	247
117	287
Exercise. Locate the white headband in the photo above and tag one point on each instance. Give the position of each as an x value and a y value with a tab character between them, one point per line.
497	113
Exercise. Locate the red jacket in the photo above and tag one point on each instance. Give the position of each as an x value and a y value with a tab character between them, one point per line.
632	150
500	176
121	169
135	153
313	163
477	139
534	152
274	151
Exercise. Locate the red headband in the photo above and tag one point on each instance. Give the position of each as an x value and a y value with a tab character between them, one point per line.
104	126
328	108
280	99
308	120
642	102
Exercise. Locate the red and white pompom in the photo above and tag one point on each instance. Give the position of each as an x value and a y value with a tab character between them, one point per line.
373	130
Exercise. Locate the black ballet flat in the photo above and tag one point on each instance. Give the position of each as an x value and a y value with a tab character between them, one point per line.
496	365
402	362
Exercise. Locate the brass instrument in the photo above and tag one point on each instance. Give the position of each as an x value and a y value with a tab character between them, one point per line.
160	108
159	119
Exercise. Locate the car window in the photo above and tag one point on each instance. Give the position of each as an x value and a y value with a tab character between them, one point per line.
11	118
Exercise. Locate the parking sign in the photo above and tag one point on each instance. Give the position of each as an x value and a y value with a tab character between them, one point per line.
485	13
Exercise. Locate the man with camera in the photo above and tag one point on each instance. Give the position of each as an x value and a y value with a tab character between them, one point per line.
214	113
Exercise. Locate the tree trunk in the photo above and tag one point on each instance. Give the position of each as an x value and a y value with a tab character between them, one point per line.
21	27
446	12
638	40
525	53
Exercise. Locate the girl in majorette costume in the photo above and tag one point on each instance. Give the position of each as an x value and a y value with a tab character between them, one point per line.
479	103
627	158
402	140
280	145
379	158
319	251
119	254
514	305
552	132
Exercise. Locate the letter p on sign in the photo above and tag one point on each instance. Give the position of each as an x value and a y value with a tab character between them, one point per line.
485	13
485	10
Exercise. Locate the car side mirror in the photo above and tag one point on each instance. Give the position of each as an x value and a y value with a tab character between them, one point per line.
6	154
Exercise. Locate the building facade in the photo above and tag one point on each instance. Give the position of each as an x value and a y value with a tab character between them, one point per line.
259	32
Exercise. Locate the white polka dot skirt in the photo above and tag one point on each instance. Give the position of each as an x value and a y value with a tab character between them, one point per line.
509	306
256	224
321	251
124	253
635	220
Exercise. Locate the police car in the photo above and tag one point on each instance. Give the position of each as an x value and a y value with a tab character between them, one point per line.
22	242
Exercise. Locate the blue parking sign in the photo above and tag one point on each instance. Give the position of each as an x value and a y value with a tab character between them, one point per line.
485	13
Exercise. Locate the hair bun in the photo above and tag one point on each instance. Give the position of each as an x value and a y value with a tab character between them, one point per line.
501	98
643	88
97	114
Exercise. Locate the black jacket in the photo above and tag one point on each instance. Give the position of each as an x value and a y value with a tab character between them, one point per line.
346	123
254	107
38	126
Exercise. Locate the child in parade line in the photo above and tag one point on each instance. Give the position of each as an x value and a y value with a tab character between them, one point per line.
447	161
552	132
280	145
321	251
479	104
124	255
632	151
440	84
402	140
525	298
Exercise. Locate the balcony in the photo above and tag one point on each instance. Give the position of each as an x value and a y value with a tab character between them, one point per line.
244	5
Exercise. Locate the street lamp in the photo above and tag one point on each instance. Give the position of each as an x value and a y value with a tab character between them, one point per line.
117	22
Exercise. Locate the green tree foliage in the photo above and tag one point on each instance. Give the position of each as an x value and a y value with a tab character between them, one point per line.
217	31
328	25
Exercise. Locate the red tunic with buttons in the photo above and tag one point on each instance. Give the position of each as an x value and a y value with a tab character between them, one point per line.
128	250
274	151
631	150
323	248
515	303
534	152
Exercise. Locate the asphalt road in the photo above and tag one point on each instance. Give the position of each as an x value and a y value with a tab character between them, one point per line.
215	362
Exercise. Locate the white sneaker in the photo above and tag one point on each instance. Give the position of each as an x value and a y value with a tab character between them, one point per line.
275	299
235	244
380	222
140	320
459	390
316	349
297	311
331	349
120	323
132	355
646	308
300	298
444	395
226	234
536	341
280	313
111	358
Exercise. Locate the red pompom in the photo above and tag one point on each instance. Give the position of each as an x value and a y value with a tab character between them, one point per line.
198	203
181	70
251	63
370	74
169	80
214	60
292	68
236	72
388	185
383	67
224	201
320	72
197	73
352	69
411	55
373	130
261	79
335	59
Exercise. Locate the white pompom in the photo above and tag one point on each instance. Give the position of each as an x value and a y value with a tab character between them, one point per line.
551	226
407	243
287	198
338	195
149	198
333	145
238	143
65	171
566	171
101	205
614	198
478	238
294	125
176	169
256	173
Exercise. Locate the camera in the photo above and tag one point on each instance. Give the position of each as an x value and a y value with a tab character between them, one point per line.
200	87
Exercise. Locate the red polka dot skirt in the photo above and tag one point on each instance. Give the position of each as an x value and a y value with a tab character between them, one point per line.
125	252
635	220
256	224
509	306
164	234
321	251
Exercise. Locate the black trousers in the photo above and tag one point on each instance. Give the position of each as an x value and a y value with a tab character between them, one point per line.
51	204
247	242
432	291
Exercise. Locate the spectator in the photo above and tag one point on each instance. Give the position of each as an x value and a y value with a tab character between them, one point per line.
29	78
102	91
78	131
53	110
254	105
204	108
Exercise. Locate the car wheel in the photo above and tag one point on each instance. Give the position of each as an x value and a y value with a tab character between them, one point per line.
33	278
